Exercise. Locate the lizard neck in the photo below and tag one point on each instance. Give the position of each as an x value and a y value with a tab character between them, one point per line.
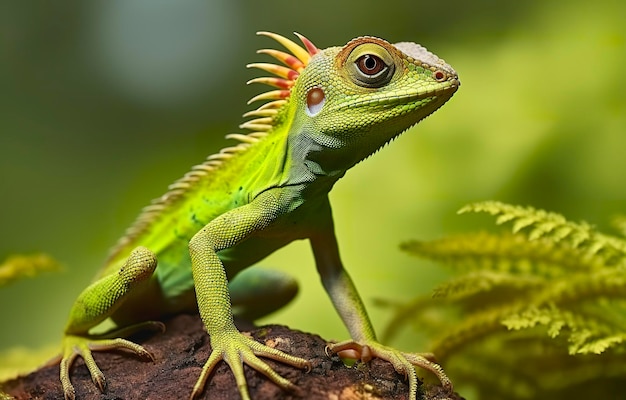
312	166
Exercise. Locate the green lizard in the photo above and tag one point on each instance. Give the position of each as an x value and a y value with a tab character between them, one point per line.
331	109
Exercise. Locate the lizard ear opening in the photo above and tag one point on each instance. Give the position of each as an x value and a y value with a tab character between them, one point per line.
315	99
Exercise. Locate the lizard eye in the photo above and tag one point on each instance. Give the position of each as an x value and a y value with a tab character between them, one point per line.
371	71
370	65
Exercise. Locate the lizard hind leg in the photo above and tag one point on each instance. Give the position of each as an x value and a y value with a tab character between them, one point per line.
94	305
75	346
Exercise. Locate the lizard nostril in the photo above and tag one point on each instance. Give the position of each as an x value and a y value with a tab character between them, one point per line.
439	75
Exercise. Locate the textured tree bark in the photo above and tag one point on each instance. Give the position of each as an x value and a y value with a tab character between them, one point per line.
181	352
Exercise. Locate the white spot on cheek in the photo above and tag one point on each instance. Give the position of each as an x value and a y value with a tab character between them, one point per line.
315	100
314	109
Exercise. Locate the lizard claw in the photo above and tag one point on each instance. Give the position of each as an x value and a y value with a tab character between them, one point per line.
237	349
75	346
403	363
355	352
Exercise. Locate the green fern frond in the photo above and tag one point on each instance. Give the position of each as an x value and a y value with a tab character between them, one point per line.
514	369
584	333
552	318
26	266
477	282
482	324
504	252
543	224
581	287
540	308
599	345
495	314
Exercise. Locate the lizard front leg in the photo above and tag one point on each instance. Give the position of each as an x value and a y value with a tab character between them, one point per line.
213	298
95	304
349	305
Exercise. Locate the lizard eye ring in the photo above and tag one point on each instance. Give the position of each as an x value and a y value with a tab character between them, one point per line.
368	63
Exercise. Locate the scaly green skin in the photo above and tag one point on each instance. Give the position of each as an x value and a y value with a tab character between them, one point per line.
336	107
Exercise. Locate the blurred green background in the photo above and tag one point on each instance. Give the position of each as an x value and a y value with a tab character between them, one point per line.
104	103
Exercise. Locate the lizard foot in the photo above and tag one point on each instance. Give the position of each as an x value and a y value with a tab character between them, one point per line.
403	363
236	349
83	346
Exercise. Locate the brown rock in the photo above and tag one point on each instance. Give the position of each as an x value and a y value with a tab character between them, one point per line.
181	352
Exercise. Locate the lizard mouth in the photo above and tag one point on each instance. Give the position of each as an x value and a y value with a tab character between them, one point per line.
384	101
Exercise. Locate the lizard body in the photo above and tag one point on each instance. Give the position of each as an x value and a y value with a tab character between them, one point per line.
331	109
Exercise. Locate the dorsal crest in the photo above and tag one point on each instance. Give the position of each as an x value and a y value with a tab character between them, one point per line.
285	76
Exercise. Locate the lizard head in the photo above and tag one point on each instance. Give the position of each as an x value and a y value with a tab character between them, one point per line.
349	101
